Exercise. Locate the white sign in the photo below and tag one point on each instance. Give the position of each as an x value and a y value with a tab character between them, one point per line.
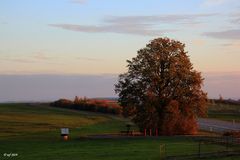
64	131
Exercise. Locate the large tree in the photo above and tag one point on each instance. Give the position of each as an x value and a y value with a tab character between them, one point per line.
161	89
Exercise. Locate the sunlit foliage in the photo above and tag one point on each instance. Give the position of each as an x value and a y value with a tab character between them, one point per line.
94	105
161	90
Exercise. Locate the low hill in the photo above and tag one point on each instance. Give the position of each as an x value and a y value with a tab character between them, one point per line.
224	111
27	120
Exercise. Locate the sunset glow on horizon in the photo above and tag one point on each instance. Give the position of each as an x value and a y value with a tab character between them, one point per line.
93	38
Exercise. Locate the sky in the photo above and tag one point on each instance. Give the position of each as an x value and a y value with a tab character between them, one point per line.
61	48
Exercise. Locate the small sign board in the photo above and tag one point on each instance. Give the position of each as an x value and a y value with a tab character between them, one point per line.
64	131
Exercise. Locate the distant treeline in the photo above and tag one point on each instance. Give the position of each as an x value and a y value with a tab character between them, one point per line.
224	101
93	105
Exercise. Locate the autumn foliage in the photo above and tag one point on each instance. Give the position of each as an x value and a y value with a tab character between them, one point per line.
93	105
161	90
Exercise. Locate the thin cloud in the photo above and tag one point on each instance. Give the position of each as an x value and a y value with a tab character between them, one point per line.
33	58
233	44
210	3
228	34
148	20
137	25
88	59
111	29
226	45
235	18
3	22
79	1
42	56
18	60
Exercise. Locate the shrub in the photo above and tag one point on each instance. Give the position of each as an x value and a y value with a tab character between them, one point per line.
62	103
235	134
93	105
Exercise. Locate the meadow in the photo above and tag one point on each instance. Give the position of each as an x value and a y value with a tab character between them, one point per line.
32	131
226	112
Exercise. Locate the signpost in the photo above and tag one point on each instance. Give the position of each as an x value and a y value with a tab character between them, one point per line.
65	133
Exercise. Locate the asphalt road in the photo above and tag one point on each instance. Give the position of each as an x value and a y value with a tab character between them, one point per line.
214	125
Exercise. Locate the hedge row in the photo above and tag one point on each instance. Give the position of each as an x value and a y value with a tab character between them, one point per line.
102	106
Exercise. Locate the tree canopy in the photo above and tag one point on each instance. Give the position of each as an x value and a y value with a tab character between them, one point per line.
161	89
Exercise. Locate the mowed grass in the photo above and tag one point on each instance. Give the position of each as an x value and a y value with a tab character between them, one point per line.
33	132
226	112
102	149
23	120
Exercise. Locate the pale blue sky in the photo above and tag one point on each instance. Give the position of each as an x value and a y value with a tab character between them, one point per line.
94	37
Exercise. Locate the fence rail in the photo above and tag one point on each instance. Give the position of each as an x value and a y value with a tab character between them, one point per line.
204	155
202	147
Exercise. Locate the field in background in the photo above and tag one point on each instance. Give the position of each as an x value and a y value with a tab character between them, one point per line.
228	112
18	120
33	132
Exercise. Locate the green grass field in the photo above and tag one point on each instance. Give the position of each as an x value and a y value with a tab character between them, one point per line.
102	149
29	120
224	112
32	131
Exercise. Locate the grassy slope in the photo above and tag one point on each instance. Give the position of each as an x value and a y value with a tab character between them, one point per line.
32	131
224	112
26	120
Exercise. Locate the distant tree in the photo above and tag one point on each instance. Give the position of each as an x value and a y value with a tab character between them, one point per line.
161	89
62	103
220	98
93	105
76	100
212	101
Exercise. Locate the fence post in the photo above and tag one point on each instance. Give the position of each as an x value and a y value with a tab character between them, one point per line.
145	132
162	151
199	149
156	132
227	143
